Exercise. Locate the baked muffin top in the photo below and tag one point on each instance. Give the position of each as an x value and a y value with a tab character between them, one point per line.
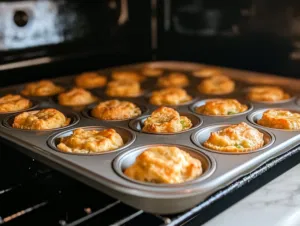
236	138
116	110
216	85
91	141
164	164
207	72
42	88
11	103
90	80
267	94
280	119
124	88
174	79
76	97
152	72
170	96
41	120
221	107
166	120
127	76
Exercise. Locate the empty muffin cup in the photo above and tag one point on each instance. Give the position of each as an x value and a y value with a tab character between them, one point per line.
128	138
138	124
202	135
126	159
8	122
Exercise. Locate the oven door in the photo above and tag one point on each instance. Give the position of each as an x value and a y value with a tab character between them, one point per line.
260	35
98	33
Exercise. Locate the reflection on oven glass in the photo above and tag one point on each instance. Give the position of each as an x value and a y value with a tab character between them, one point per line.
35	23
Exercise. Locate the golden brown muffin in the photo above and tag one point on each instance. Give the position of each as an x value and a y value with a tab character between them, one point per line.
221	107
76	97
164	164
91	141
152	72
267	94
41	120
280	119
170	96
116	110
10	103
174	79
42	88
236	138
216	85
206	72
90	80
166	120
127	76
123	89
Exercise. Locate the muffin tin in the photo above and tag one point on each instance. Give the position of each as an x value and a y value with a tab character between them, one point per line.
105	171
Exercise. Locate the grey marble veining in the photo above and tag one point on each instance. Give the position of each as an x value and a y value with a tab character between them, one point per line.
275	204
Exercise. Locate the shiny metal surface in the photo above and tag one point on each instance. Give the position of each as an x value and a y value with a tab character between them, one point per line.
97	170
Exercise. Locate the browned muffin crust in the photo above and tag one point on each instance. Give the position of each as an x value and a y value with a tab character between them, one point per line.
41	120
11	103
116	110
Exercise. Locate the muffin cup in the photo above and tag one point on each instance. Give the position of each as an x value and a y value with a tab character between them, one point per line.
202	102
138	123
126	159
8	122
127	136
255	116
202	135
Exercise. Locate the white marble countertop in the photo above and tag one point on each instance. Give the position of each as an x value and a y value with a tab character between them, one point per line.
275	204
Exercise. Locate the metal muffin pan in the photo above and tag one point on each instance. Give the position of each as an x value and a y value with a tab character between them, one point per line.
104	172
